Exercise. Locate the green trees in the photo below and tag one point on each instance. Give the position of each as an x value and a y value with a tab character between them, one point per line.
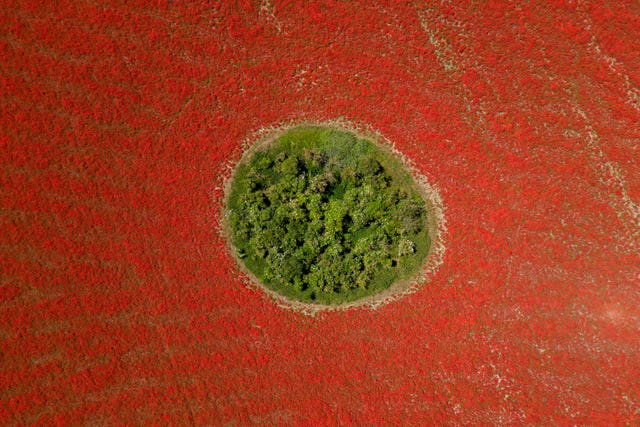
322	216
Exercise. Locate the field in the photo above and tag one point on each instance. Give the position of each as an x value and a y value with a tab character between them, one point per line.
120	122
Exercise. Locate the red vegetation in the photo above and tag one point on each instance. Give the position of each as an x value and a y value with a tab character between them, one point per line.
120	305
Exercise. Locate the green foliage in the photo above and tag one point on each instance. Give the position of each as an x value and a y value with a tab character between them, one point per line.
322	216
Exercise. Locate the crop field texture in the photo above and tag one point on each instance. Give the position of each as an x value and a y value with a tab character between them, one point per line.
120	122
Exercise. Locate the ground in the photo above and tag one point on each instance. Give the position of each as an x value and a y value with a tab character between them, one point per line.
120	304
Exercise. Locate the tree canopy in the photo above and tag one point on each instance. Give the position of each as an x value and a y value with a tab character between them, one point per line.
320	215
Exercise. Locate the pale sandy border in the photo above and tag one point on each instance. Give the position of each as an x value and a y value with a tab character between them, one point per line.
436	220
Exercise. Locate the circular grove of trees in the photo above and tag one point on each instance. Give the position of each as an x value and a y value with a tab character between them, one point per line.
323	216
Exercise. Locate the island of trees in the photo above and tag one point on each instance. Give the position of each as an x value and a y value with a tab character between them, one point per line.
323	216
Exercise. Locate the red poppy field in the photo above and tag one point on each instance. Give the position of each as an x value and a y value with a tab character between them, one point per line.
120	122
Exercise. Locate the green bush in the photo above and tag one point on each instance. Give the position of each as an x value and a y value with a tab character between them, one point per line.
323	216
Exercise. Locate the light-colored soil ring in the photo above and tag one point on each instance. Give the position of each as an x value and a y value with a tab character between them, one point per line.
435	221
